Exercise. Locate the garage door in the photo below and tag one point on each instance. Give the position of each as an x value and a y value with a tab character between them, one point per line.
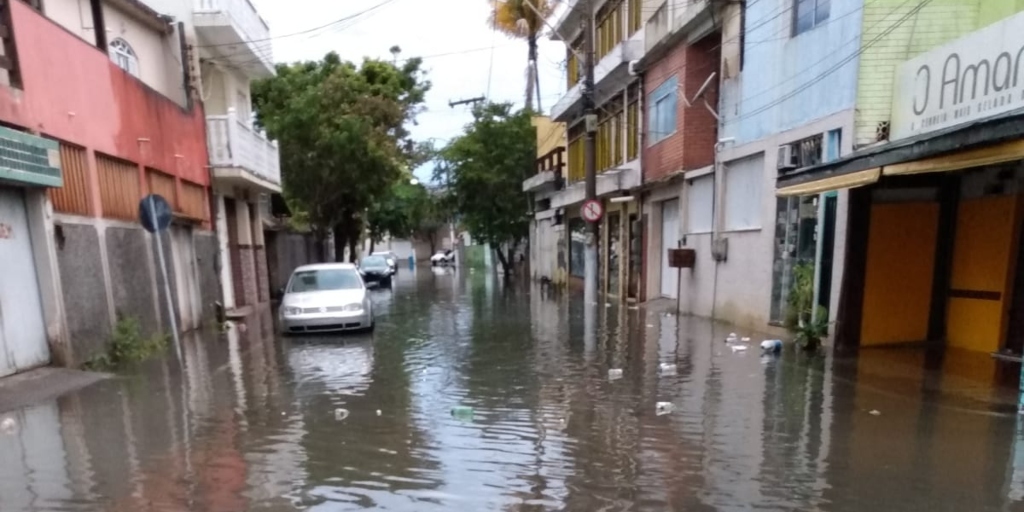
669	240
22	330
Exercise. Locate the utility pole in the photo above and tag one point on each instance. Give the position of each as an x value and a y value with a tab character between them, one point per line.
474	101
589	155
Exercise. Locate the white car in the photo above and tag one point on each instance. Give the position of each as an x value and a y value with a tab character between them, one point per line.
442	258
326	297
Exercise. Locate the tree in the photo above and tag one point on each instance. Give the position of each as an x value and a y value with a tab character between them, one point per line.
398	213
342	134
524	19
487	166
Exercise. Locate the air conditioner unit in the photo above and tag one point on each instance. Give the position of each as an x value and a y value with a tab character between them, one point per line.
787	158
632	68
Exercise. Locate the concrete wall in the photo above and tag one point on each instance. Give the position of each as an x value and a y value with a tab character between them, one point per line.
785	81
110	269
287	251
937	23
550	135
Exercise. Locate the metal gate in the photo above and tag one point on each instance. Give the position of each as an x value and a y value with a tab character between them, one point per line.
186	277
669	240
22	328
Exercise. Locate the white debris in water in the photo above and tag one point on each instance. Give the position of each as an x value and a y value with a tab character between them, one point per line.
745	339
8	425
650	325
771	345
662	408
614	373
731	338
739	348
667	369
875	412
340	414
378	412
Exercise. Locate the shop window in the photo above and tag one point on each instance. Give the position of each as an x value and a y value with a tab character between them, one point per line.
577	243
808	14
743	193
662	112
796	224
124	56
700	195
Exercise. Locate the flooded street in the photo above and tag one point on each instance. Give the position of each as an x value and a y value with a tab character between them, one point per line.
355	422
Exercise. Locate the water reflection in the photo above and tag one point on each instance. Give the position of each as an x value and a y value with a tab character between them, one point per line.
248	422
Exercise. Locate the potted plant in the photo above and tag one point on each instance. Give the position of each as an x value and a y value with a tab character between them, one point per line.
807	325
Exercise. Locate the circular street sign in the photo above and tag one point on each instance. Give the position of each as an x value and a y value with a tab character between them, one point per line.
154	213
592	210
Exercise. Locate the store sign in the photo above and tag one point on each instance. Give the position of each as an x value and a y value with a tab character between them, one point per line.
977	76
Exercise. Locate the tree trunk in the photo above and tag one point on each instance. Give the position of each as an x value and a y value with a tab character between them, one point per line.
373	244
503	261
531	69
320	245
340	238
353	253
532	62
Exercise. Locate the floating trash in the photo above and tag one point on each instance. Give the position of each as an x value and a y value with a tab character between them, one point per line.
378	412
739	348
614	373
667	369
340	414
662	408
774	346
875	412
462	412
8	425
731	338
745	339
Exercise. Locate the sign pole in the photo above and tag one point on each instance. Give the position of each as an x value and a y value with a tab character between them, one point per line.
167	283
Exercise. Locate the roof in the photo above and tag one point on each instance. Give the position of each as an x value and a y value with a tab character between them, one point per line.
992	130
327	266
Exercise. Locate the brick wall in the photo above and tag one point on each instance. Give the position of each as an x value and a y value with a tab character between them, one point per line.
693	144
262	278
246	275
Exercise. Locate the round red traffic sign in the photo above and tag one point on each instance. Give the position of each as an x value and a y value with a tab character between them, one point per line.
592	210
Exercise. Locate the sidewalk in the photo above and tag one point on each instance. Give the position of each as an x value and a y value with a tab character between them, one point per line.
43	384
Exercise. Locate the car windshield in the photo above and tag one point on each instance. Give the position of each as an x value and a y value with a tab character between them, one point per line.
325	279
373	262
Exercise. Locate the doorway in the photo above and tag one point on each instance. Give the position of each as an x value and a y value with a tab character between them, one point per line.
669	240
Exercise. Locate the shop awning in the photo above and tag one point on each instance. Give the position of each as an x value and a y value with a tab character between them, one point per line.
989	141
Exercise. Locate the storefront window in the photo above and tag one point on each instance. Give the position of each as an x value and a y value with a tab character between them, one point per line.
613	253
796	223
577	241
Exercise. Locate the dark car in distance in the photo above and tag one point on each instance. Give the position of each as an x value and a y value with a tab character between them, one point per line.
376	269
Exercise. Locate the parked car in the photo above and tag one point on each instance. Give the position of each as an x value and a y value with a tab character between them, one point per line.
376	269
391	257
326	297
446	257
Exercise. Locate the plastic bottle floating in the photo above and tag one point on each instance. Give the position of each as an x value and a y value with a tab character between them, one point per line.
462	412
663	408
340	414
667	369
614	373
771	346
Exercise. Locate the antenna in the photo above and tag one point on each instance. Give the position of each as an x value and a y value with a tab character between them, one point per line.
700	95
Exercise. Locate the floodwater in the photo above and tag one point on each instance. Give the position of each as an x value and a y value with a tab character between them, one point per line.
253	422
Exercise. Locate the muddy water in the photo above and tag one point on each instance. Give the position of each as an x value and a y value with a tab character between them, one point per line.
253	421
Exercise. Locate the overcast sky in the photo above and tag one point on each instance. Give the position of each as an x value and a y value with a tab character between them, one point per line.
456	44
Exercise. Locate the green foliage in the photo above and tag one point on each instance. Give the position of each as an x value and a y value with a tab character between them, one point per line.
341	130
801	295
127	346
809	332
486	167
399	212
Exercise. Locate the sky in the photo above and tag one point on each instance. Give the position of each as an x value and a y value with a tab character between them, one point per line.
463	56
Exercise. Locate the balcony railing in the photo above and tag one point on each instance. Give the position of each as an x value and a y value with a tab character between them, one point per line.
233	143
241	12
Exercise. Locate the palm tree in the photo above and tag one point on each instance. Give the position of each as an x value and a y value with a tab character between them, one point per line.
524	19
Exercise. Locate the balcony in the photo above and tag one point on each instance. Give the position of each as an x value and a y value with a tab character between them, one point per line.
234	31
549	172
242	156
611	75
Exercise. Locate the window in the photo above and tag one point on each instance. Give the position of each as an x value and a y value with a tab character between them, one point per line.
324	280
833	145
796	225
123	55
575	135
700	194
662	112
633	121
609	29
743	193
572	62
609	135
635	20
808	14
